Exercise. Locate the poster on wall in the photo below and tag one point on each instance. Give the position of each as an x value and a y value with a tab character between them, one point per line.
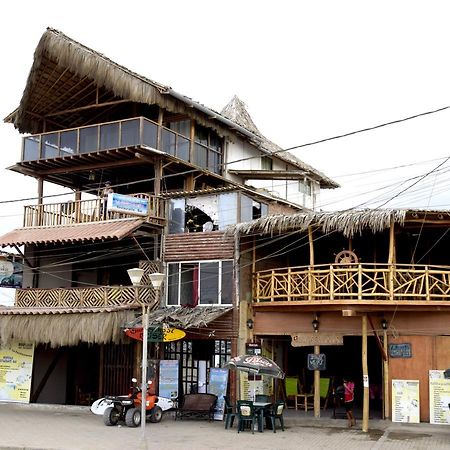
405	401
439	398
16	366
168	378
218	381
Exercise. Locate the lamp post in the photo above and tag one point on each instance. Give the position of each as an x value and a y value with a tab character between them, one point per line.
156	280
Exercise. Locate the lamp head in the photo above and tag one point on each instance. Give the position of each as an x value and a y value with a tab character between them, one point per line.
135	275
156	279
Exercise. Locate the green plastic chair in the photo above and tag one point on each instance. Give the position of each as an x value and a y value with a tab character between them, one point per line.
228	413
276	413
246	415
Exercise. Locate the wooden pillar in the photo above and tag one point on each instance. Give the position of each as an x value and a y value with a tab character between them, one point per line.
158	177
311	280
316	386
386	412
365	421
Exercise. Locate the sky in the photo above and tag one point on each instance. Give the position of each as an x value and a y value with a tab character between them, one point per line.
306	71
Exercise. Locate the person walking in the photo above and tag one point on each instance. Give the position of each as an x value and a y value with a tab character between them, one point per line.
349	397
106	191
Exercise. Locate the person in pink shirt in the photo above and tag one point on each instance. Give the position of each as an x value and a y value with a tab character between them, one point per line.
349	397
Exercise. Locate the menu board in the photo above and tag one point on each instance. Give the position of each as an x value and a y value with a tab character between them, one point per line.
16	366
218	381
168	378
439	398
405	401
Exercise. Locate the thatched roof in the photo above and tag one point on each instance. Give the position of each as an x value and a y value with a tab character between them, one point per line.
62	67
184	317
348	223
236	111
61	328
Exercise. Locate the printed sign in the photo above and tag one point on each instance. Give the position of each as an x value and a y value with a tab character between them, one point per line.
439	398
16	365
400	350
218	381
309	339
127	204
168	378
156	334
10	273
405	401
317	362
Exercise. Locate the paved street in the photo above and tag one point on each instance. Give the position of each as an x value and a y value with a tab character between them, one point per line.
75	428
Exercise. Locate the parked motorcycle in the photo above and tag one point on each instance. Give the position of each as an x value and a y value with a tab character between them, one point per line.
127	408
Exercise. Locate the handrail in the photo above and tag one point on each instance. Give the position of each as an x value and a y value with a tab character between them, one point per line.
85	211
359	282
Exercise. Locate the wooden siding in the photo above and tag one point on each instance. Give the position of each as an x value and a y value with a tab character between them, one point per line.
198	246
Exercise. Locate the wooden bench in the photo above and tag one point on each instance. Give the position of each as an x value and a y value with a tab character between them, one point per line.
197	406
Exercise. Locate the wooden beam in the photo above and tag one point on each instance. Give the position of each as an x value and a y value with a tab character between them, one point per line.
84	108
386	402
365	371
316	386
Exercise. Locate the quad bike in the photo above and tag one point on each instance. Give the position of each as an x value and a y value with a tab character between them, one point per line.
127	408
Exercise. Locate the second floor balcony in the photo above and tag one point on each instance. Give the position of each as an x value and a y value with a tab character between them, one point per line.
91	210
354	284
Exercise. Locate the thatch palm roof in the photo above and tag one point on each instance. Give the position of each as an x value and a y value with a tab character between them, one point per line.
348	223
61	328
64	70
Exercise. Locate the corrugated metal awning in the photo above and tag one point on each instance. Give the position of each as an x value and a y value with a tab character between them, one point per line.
93	231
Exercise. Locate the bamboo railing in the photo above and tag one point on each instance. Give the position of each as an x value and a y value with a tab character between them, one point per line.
363	282
84	211
91	297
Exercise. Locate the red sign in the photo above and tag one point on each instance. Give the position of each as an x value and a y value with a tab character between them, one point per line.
135	333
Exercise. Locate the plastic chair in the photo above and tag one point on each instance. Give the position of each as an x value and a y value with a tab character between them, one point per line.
276	413
246	414
228	412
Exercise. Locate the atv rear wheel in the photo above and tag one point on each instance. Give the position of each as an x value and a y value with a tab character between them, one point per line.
156	414
133	418
111	416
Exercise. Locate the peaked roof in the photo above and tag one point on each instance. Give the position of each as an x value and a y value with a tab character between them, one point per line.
58	58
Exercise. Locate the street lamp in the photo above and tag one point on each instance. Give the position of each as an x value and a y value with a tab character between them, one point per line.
156	280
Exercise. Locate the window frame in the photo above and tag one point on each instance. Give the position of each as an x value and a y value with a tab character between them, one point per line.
220	274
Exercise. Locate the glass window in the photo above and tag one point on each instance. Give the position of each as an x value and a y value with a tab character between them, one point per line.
215	142
227	210
68	142
182	127
200	155
304	186
227	283
31	148
264	210
172	284
150	134
266	163
177	213
183	148
201	135
88	139
209	283
246	208
50	145
109	136
130	133
168	142
189	284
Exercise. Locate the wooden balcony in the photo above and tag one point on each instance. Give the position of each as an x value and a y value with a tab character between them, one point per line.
354	284
92	297
84	211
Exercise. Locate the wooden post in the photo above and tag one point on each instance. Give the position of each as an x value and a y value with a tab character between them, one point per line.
385	377
365	421
391	259
158	176
316	386
311	280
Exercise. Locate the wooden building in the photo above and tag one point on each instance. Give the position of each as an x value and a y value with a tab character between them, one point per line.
351	285
116	139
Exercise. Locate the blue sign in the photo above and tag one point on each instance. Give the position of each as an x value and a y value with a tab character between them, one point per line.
127	204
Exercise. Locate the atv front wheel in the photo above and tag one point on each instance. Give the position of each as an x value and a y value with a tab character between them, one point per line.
133	418
111	416
156	414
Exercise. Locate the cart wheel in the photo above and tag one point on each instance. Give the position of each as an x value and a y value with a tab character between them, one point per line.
133	418
111	416
156	415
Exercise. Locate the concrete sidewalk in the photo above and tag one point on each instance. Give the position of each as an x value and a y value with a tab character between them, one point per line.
66	428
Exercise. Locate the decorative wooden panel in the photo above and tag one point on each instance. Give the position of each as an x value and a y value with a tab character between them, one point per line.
198	246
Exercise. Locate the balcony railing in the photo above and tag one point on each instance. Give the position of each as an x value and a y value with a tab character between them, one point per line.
91	297
358	282
137	131
84	211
